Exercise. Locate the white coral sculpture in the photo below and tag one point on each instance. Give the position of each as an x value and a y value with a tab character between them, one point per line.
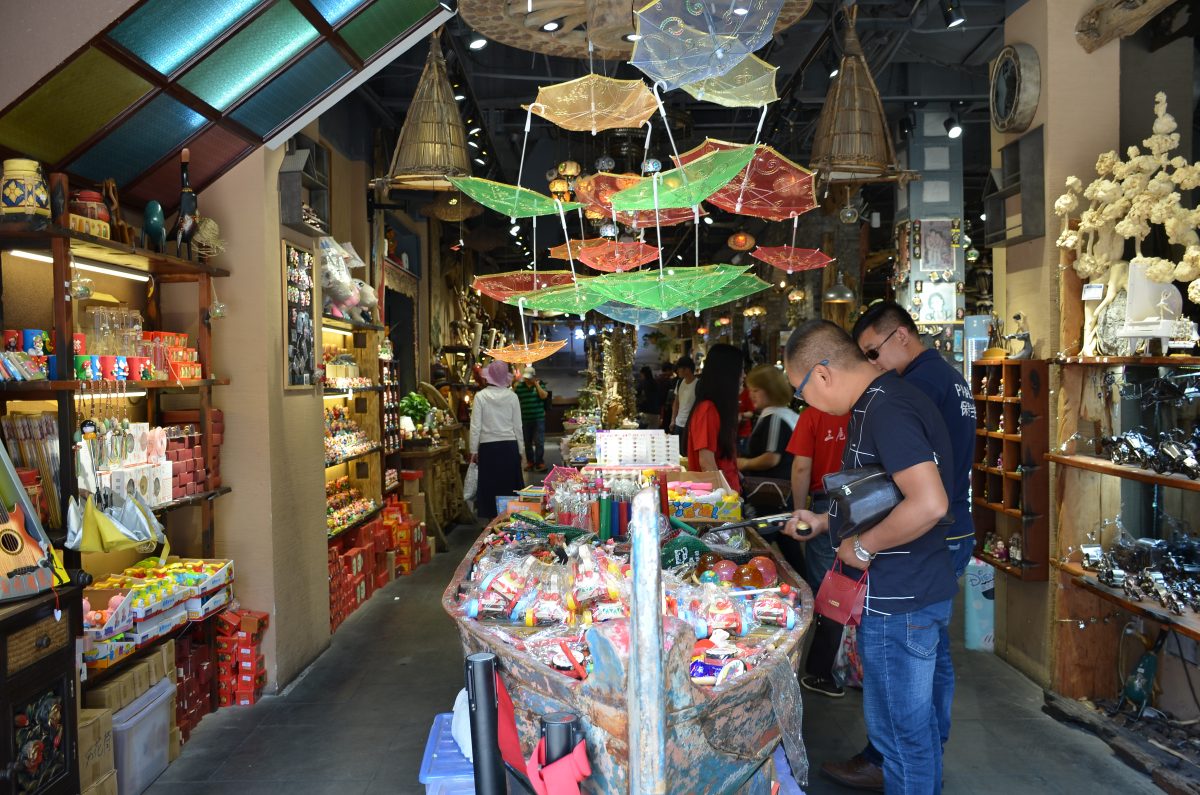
1126	199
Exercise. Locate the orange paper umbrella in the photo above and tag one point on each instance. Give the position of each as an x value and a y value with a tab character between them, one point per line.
502	286
612	256
526	353
577	247
791	259
596	192
594	102
771	187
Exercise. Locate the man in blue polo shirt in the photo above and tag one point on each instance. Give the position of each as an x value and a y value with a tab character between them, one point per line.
910	572
887	336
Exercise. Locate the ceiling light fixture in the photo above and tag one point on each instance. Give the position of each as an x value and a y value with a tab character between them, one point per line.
708	220
633	37
516	230
952	13
551	26
741	11
473	144
906	127
475	130
838	293
953	127
460	97
983	216
478	43
481	161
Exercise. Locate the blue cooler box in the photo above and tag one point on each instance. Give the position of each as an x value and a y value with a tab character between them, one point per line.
444	770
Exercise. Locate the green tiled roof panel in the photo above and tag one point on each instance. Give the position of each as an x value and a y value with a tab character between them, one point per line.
335	11
381	24
167	33
292	91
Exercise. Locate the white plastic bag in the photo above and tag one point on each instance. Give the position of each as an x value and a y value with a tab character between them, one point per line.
471	482
460	724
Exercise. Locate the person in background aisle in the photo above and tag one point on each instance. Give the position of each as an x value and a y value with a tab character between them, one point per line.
649	400
666	393
685	396
911	583
745	416
887	336
766	449
817	446
711	430
532	394
496	439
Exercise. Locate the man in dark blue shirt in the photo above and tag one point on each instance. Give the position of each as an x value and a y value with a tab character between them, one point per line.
887	336
910	572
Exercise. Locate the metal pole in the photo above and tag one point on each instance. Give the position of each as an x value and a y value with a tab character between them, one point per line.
560	729
481	692
647	703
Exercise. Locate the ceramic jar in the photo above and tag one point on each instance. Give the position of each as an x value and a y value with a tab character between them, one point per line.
23	189
89	204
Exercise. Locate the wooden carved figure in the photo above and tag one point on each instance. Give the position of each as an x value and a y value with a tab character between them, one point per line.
189	216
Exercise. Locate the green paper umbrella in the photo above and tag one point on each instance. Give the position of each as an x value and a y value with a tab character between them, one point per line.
665	290
685	186
637	316
574	299
511	200
744	285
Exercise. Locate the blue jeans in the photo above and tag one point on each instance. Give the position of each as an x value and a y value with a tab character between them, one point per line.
535	440
899	657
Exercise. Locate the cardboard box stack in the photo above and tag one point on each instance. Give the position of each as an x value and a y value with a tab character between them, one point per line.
241	667
96	773
216	420
406	530
194	671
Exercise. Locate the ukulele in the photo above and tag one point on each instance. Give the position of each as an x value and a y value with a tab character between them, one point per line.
19	551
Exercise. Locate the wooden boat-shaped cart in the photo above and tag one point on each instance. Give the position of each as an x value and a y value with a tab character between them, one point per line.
718	739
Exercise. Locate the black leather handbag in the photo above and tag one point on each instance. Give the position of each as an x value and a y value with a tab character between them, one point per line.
861	498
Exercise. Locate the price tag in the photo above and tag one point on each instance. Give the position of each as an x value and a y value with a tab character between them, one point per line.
1093	292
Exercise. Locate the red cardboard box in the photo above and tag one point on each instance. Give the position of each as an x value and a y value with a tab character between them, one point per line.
254	665
255	622
245	698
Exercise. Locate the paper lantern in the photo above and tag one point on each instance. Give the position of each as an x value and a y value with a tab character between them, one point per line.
568	168
741	241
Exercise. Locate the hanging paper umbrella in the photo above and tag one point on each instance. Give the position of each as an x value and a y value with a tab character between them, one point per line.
666	290
746	284
613	256
792	259
510	200
686	185
750	84
593	103
502	286
596	192
526	353
577	246
574	299
636	316
770	187
686	41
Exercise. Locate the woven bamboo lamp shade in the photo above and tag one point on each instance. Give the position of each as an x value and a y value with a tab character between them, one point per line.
852	142
433	142
452	208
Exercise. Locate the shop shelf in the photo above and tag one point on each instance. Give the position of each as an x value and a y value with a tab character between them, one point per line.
998	507
74	386
1105	467
348	325
1187	624
17	234
1145	361
332	390
356	524
354	457
1004	566
194	499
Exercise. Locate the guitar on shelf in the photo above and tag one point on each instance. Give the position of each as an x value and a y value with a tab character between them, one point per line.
20	552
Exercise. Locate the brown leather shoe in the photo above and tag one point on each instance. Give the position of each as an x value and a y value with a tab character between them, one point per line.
856	773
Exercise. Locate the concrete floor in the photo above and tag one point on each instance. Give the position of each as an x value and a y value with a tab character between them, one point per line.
356	722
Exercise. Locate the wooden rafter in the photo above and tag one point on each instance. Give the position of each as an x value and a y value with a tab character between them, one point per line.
1115	19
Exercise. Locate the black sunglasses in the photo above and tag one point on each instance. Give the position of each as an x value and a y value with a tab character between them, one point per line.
873	353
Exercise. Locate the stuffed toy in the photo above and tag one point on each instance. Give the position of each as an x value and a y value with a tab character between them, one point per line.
337	286
364	310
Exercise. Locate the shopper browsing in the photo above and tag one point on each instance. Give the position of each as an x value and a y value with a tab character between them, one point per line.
910	573
766	448
887	336
496	439
685	395
711	431
533	395
649	399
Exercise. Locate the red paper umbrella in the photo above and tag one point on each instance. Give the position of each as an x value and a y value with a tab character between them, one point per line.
771	187
502	286
612	256
577	247
791	259
596	191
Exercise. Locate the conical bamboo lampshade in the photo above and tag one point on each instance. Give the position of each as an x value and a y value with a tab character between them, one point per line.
852	142
432	144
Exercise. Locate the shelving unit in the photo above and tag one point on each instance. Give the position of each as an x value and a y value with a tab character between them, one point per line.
304	179
1009	478
1014	199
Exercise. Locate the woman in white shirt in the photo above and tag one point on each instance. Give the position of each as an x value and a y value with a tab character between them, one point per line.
496	439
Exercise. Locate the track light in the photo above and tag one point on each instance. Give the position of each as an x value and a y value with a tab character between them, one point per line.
460	97
516	230
632	37
953	127
475	130
952	13
481	161
552	26
473	144
478	43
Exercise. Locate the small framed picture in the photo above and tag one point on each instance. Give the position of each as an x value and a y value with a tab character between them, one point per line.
959	313
961	289
918	286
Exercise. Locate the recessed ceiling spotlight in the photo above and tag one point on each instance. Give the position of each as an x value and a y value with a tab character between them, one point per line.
708	220
478	43
481	161
953	127
475	130
515	230
552	26
473	144
952	13
460	97
632	37
833	72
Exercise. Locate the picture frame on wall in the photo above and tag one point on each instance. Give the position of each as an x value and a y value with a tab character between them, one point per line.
299	317
937	246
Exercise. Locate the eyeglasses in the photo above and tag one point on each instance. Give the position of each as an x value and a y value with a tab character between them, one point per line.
873	353
799	393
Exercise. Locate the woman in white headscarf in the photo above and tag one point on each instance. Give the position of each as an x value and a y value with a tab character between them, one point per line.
496	439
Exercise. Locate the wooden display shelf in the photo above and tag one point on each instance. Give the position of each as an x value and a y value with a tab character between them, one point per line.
194	499
337	390
1002	565
1070	567
74	386
354	457
1104	467
1144	361
357	523
423	452
997	471
36	234
998	508
348	325
1188	624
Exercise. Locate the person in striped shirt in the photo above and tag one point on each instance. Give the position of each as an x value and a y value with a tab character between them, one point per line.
533	396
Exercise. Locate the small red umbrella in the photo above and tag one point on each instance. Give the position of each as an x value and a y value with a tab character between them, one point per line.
502	286
612	256
596	191
771	187
791	259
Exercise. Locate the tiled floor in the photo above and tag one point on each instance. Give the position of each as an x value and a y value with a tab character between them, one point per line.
356	722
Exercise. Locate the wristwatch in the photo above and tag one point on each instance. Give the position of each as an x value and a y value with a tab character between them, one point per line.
861	553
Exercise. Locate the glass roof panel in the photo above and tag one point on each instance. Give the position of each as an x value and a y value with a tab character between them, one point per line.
382	23
288	94
166	33
250	56
71	106
161	126
335	11
211	153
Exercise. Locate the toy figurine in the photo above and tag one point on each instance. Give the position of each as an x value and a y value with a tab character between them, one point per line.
184	228
1021	334
1014	549
154	228
1000	551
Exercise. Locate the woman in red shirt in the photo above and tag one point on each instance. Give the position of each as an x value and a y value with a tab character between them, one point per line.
712	426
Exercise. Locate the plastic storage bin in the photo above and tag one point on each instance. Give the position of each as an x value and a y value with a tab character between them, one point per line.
140	738
979	620
444	770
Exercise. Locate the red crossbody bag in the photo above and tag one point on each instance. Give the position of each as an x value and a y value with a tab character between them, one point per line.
841	598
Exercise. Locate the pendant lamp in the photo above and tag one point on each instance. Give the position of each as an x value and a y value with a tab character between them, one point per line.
432	144
838	292
852	142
